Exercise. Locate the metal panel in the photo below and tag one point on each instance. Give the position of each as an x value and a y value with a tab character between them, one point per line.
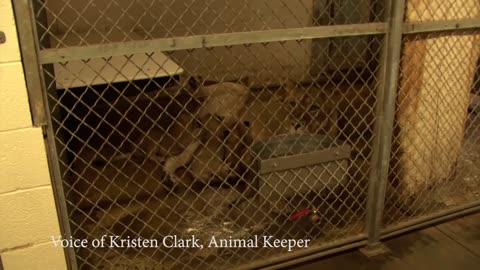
290	152
278	164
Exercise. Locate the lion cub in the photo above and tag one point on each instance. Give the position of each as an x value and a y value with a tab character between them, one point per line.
291	110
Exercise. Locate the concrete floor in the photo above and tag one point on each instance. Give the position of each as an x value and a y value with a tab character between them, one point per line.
448	246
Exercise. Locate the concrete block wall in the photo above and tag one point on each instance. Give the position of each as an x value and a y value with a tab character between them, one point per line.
28	216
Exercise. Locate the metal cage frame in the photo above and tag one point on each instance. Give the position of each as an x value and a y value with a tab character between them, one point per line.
36	59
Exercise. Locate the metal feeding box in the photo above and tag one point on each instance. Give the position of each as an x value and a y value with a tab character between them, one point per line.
300	163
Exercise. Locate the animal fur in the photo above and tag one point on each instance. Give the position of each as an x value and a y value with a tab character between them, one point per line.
291	110
221	151
311	107
237	149
197	141
208	161
226	100
266	119
173	163
173	148
158	144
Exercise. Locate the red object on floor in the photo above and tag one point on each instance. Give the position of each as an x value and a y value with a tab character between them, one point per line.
299	214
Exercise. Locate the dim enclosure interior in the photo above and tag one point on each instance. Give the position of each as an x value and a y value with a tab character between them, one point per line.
338	122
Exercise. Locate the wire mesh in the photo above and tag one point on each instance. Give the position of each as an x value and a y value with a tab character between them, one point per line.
167	156
435	158
112	21
194	142
436	10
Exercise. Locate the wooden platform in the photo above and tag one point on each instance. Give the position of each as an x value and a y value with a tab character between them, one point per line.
449	246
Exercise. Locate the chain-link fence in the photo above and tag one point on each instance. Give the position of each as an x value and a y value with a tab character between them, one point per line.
435	158
237	121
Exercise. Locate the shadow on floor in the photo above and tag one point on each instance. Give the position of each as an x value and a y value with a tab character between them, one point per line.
448	246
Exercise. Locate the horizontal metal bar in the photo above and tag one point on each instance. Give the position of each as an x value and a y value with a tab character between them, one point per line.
436	26
426	221
387	233
358	241
317	255
305	159
206	41
228	39
311	253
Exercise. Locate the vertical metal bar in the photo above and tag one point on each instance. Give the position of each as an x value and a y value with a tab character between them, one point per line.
28	46
57	186
37	90
386	95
